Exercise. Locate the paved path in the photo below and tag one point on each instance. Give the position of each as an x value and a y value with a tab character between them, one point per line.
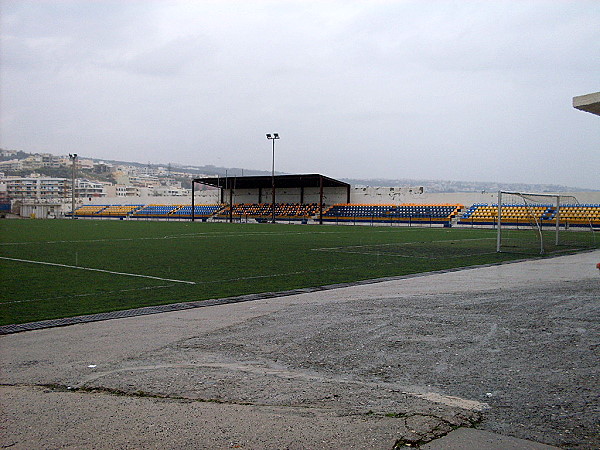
511	349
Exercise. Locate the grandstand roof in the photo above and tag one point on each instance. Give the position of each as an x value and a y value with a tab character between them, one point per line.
281	181
589	103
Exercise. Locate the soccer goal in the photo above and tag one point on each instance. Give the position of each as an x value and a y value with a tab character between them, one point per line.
542	223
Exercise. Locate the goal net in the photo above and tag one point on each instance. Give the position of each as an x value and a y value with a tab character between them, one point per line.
542	223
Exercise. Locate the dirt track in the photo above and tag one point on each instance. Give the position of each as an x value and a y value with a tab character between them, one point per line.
368	366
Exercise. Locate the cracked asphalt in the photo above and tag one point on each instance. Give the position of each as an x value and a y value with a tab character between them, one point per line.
511	349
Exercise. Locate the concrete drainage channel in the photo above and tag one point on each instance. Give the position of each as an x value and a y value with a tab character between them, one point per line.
39	325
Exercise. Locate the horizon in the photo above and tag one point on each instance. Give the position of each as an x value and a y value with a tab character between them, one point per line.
382	89
266	172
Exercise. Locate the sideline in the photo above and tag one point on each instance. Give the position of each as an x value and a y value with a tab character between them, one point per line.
174	236
372	249
96	270
157	309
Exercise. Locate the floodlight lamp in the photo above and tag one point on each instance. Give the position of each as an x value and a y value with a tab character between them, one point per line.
276	135
268	136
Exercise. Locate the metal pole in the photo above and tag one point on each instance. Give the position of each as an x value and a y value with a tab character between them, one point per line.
499	230
320	200
231	203
193	202
223	192
272	138
273	183
557	218
73	160
73	189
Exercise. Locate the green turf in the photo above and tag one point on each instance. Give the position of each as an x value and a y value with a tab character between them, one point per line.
222	259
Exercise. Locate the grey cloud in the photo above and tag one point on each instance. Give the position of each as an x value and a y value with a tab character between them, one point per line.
356	89
479	36
168	58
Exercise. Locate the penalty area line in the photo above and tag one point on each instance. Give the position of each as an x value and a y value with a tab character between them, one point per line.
96	270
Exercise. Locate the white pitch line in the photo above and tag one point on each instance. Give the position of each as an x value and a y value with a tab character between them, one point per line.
174	236
96	270
400	244
89	294
399	256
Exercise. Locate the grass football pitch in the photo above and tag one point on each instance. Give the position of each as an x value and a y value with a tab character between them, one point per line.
62	268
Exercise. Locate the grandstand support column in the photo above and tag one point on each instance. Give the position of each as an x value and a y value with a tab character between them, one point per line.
220	189
193	181
320	199
230	205
223	192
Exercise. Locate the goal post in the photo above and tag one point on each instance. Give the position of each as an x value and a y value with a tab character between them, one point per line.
535	223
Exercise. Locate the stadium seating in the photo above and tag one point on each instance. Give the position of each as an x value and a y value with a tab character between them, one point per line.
155	211
152	211
200	211
477	214
484	214
578	215
118	210
283	211
572	215
106	211
404	213
89	210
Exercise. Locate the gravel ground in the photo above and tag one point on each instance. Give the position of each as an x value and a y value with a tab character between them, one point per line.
511	348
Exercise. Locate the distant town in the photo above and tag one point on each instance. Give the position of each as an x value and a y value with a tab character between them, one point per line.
46	177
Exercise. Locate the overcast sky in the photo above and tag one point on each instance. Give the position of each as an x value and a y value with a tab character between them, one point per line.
451	90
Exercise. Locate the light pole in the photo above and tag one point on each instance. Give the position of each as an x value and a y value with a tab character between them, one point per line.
73	158
272	138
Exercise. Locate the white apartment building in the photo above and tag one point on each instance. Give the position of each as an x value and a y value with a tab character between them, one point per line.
89	189
8	153
122	190
36	188
171	191
152	171
13	164
48	160
102	167
86	164
46	188
143	180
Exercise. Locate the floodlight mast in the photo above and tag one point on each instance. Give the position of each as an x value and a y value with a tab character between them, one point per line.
73	158
273	137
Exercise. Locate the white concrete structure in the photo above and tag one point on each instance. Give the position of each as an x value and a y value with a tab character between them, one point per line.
589	103
368	195
49	209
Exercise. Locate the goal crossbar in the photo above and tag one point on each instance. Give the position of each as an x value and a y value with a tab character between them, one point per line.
556	198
